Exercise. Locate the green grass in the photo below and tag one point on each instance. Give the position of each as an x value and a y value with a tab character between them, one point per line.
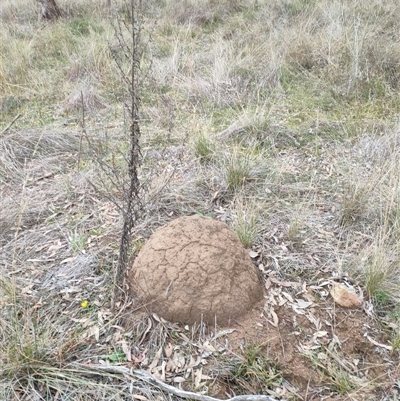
340	380
27	345
380	272
297	229
252	372
243	165
246	222
78	241
204	147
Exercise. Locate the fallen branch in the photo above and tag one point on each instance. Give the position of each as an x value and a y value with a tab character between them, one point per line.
143	375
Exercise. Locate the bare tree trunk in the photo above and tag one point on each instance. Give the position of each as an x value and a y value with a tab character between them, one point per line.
48	9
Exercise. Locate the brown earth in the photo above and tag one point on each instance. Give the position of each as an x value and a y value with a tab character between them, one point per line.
321	349
195	269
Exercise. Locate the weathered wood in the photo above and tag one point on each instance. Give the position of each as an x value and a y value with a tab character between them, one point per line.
145	376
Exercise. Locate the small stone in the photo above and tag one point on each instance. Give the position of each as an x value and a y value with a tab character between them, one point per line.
344	296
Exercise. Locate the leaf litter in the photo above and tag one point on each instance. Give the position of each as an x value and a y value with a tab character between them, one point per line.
308	336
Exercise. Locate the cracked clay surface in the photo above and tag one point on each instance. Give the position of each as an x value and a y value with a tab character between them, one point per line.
195	268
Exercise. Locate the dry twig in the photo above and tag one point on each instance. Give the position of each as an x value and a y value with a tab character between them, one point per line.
143	375
11	123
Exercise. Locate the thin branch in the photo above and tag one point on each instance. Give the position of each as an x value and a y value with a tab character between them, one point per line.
131	197
143	375
11	123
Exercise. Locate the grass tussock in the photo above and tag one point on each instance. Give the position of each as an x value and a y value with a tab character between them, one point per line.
354	204
32	345
243	165
204	147
251	372
246	221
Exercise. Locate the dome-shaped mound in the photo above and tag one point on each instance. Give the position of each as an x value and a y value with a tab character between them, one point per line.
195	268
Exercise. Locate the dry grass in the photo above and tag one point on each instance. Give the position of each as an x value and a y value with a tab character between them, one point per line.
246	220
279	118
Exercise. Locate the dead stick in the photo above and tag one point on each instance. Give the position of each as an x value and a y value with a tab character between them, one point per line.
143	375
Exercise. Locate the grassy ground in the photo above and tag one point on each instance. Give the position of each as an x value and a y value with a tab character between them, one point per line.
277	117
